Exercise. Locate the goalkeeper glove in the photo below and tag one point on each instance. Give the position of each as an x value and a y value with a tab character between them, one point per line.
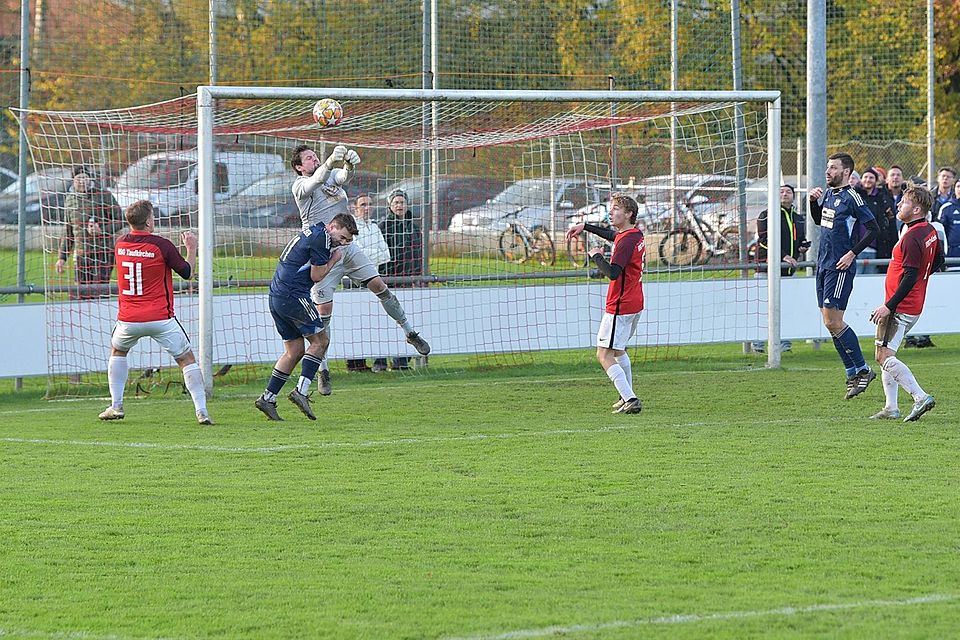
337	156
352	157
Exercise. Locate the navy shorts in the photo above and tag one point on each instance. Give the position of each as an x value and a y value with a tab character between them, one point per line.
295	317
834	288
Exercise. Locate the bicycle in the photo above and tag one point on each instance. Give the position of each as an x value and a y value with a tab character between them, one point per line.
696	241
579	247
518	244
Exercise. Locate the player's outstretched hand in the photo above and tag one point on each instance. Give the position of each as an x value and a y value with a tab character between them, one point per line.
339	152
575	230
189	239
352	157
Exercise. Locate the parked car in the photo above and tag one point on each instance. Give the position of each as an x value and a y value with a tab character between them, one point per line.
455	193
7	178
45	192
529	202
169	179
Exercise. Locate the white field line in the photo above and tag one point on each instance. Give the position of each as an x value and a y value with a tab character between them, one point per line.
689	618
367	444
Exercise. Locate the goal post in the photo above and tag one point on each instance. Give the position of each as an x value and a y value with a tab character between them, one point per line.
207	126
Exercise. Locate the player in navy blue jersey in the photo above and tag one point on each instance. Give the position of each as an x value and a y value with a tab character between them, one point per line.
836	211
306	259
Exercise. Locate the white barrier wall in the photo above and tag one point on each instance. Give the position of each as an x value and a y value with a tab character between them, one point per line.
477	319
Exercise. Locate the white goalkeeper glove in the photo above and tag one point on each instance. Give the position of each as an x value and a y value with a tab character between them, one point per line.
339	152
352	157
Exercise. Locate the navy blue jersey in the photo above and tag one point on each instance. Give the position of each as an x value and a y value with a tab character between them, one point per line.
292	278
842	208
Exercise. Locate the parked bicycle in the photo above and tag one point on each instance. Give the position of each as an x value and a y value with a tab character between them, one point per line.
578	248
696	241
520	244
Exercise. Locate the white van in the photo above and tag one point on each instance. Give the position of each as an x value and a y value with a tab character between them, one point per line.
169	180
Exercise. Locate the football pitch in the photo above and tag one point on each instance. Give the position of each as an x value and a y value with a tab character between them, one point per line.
497	502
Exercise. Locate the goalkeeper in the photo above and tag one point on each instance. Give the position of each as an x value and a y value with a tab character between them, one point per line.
319	194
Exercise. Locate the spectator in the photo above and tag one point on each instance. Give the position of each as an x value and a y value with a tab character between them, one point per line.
895	184
881	205
950	219
370	241
792	244
946	179
402	234
93	219
854	179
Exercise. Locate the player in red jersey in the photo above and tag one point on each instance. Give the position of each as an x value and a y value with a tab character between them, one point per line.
624	295
144	265
916	256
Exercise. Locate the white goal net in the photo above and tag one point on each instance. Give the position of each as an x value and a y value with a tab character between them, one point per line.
480	262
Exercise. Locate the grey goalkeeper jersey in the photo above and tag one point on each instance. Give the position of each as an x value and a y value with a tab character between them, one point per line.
321	196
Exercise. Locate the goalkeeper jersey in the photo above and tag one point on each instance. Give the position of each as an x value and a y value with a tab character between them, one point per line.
320	197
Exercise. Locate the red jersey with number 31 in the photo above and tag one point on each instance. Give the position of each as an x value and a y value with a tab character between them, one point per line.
144	264
917	249
625	294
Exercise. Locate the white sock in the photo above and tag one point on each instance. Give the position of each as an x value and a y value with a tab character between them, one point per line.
619	379
890	391
624	362
323	367
193	381
902	374
117	369
303	384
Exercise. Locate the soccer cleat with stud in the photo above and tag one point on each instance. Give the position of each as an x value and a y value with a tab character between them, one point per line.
325	387
204	418
920	407
886	414
632	405
418	343
269	409
303	403
112	413
617	405
859	383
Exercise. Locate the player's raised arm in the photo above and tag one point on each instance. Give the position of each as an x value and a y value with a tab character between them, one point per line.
189	240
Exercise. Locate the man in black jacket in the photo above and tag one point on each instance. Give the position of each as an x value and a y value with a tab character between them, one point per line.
402	234
792	244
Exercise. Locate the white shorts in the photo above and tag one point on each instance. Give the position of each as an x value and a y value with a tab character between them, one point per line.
615	331
354	264
169	334
892	329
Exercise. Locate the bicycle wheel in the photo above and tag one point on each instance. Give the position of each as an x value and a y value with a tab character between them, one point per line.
512	246
730	243
577	251
681	248
541	247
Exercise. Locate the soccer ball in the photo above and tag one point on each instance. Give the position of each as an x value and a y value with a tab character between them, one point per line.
327	112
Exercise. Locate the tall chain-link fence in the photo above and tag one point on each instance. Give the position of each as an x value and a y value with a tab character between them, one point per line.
98	54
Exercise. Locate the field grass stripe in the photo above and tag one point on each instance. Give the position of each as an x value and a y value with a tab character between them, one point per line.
157	445
364	444
711	617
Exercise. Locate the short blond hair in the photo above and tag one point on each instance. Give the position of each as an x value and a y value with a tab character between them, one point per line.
137	214
920	196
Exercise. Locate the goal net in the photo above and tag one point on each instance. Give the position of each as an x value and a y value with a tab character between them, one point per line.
479	261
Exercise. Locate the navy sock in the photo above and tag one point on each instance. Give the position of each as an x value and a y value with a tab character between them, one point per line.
852	346
844	357
277	380
309	367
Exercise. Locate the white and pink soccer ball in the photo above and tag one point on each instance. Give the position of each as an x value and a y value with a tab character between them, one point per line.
327	112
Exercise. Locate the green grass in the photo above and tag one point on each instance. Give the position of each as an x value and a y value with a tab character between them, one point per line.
490	501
